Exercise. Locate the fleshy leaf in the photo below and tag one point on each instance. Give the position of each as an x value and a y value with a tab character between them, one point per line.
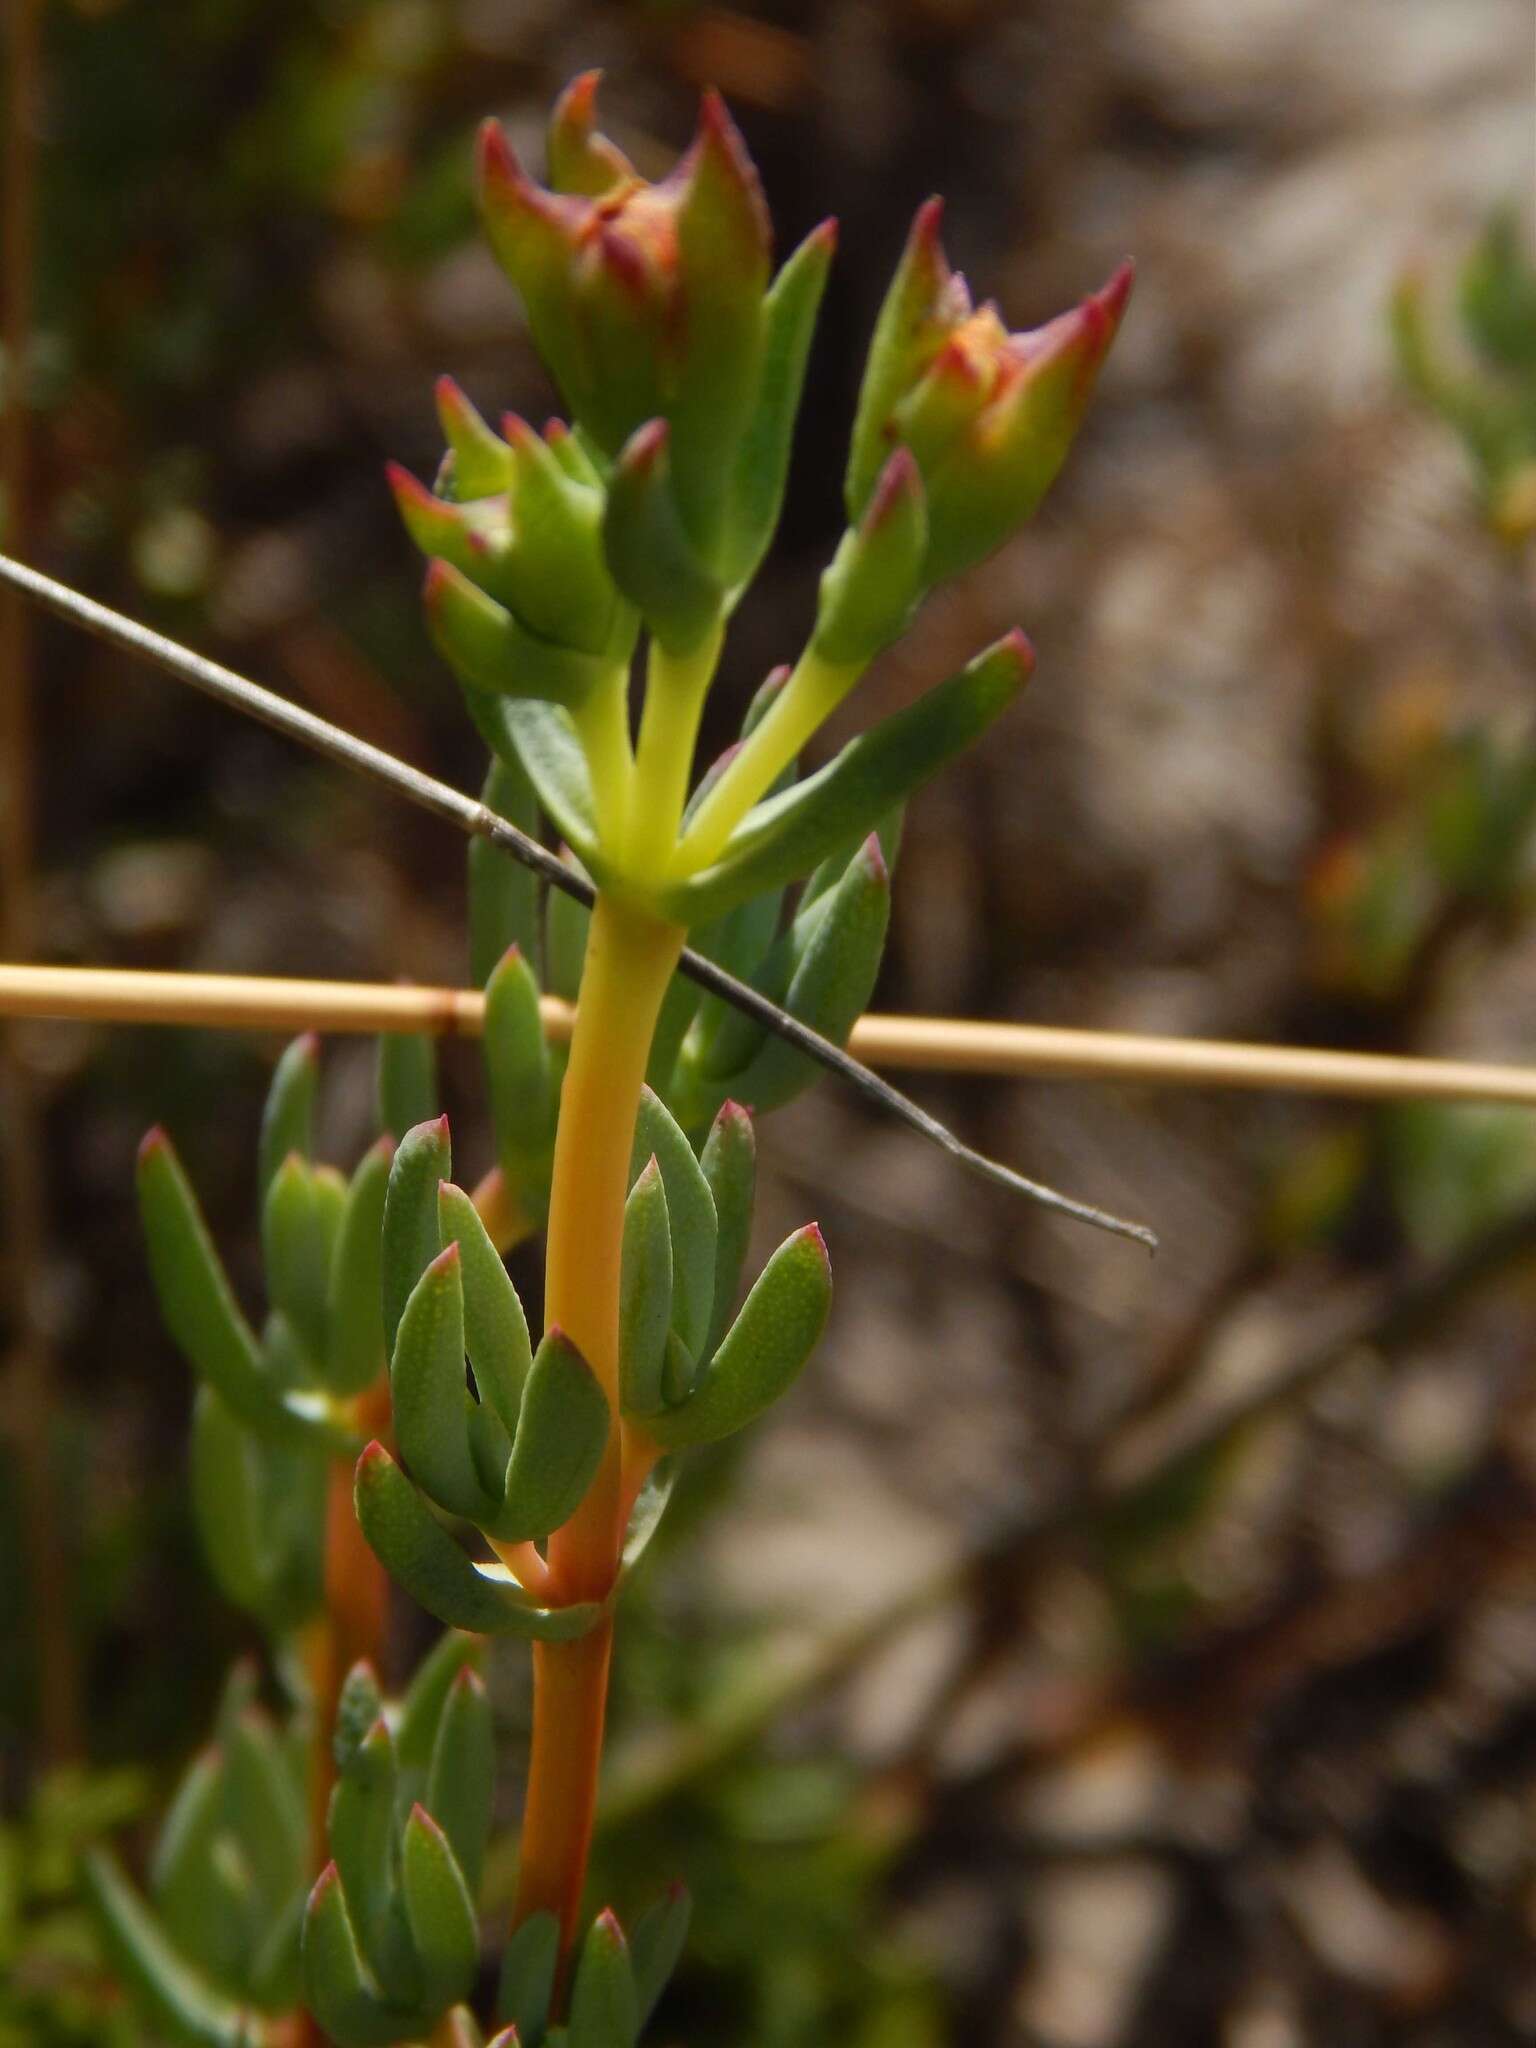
691	1213
189	2009
354	1345
411	1236
605	2009
656	1946
362	1826
461	1780
528	1977
495	1328
287	1119
429	1396
337	1987
407	1077
440	1913
503	894
198	1305
874	580
297	1252
786	836
437	1574
789	320
645	1293
763	1352
729	1164
650	555
561	1436
517	1065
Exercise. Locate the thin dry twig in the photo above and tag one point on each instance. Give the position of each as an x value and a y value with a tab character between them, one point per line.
473	817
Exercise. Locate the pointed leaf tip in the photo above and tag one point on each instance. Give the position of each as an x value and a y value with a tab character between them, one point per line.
900	480
156	1139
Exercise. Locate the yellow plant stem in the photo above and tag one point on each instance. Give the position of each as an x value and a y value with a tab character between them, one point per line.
630	960
602	724
675	688
811	695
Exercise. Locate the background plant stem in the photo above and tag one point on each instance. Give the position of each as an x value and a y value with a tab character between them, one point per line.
29	1387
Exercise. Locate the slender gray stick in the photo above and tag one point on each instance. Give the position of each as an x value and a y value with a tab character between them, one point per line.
474	817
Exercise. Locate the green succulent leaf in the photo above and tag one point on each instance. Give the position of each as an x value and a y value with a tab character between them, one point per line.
503	893
296	1244
645	1293
561	1436
191	1911
407	1076
190	2010
789	320
337	1986
495	656
357	1709
833	953
765	1349
265	1808
228	1500
786	836
460	1782
431	1401
288	1117
362	1826
690	1212
426	1700
495	1328
521	1079
411	1237
354	1350
652	559
199	1307
875	578
543	740
528	1978
656	1946
728	1163
440	1913
418	1550
605	2007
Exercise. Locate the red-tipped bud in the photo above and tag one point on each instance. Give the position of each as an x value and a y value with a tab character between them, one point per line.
581	160
988	415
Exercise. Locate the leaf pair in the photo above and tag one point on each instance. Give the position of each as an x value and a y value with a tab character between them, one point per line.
390	1935
822	970
687	1374
517	1460
323	1339
616	1985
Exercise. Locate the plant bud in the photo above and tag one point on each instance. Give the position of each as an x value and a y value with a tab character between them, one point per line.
988	415
645	300
539	612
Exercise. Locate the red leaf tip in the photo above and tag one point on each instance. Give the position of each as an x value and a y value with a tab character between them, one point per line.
1022	648
154	1141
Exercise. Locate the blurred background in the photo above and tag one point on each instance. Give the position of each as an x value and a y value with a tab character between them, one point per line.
1094	1653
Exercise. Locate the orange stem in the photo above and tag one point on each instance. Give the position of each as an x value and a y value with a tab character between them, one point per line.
630	959
353	1621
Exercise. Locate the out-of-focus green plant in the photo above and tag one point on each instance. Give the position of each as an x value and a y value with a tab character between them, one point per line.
55	1989
523	1478
1491	401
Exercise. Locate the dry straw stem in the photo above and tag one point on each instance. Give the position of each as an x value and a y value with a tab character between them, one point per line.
914	1044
